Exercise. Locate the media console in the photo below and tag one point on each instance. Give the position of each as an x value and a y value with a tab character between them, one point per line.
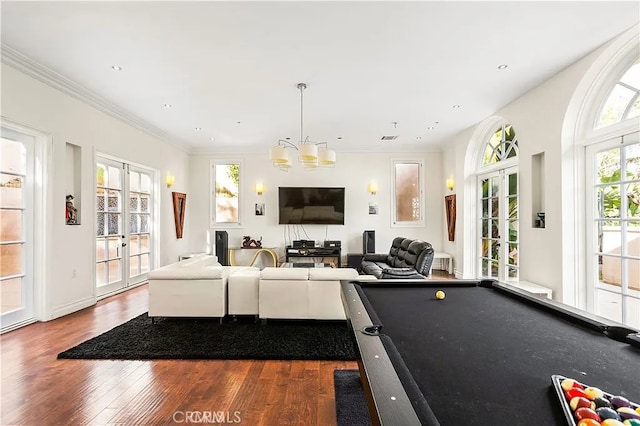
307	252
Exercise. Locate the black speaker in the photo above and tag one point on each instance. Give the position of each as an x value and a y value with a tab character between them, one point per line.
222	247
369	242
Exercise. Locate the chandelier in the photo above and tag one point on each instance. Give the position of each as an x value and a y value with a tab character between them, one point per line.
310	154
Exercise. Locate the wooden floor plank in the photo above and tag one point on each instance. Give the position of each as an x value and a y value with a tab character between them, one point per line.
39	389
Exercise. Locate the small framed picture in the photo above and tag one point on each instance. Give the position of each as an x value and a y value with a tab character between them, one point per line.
373	208
259	209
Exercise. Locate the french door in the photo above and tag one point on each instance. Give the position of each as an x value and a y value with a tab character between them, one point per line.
613	229
17	176
124	215
499	225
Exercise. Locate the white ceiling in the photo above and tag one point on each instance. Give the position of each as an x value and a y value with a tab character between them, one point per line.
367	64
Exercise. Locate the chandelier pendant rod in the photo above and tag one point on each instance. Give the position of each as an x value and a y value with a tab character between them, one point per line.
301	87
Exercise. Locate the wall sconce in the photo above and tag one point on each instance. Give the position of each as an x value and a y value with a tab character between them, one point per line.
169	179
259	188
450	183
372	188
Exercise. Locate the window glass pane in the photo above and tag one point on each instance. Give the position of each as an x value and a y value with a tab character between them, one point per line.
633	311
513	230
634	111
608	199
633	268
113	179
227	191
134	244
144	263
513	254
134	224
485	188
144	203
407	192
14	157
113	223
11	295
114	201
513	184
615	106
485	268
145	183
10	225
134	181
114	246
115	273
134	266
513	207
133	202
485	208
513	273
10	259
494	269
101	249
610	237
611	272
101	278
144	243
144	223
633	199
485	228
632	156
101	175
11	190
495	186
632	76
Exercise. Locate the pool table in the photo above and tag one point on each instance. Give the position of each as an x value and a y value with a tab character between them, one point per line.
483	355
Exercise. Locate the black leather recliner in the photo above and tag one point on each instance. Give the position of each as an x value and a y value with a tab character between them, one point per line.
407	259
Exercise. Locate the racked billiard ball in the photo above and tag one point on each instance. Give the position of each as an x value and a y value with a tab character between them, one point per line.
579	402
593	393
588	422
608	413
619	401
601	402
628	413
612	422
567	384
573	392
586	413
631	422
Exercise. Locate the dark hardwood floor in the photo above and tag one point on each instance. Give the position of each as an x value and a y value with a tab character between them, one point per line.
38	389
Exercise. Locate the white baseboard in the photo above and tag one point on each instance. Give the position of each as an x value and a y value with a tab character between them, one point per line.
72	307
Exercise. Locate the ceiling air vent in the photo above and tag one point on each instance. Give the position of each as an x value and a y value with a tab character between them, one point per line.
389	138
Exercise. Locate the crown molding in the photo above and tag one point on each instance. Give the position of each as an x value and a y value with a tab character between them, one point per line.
51	78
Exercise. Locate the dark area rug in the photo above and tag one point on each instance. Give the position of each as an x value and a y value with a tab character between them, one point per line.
351	404
206	338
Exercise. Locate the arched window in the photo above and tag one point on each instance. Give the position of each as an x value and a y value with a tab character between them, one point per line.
623	101
613	203
502	145
499	207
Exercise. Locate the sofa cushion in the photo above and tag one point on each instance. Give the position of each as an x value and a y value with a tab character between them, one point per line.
192	273
271	273
332	274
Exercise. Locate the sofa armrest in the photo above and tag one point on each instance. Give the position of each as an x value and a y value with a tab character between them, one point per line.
375	257
401	273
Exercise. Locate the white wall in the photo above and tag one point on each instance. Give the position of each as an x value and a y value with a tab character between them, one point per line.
537	118
353	171
69	275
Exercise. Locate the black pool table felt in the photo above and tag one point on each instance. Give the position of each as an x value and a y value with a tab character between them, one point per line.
481	357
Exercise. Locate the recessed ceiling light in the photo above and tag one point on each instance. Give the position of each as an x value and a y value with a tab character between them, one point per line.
339	137
238	122
212	139
456	106
198	128
502	67
430	128
288	139
167	105
437	122
419	137
116	68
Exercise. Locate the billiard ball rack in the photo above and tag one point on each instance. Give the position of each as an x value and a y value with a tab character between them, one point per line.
564	397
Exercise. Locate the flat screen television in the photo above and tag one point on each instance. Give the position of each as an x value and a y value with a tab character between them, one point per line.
310	206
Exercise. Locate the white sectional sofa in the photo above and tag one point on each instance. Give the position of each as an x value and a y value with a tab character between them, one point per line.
201	287
303	293
196	287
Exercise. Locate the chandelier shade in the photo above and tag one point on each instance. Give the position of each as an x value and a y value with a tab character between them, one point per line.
327	157
279	155
309	153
